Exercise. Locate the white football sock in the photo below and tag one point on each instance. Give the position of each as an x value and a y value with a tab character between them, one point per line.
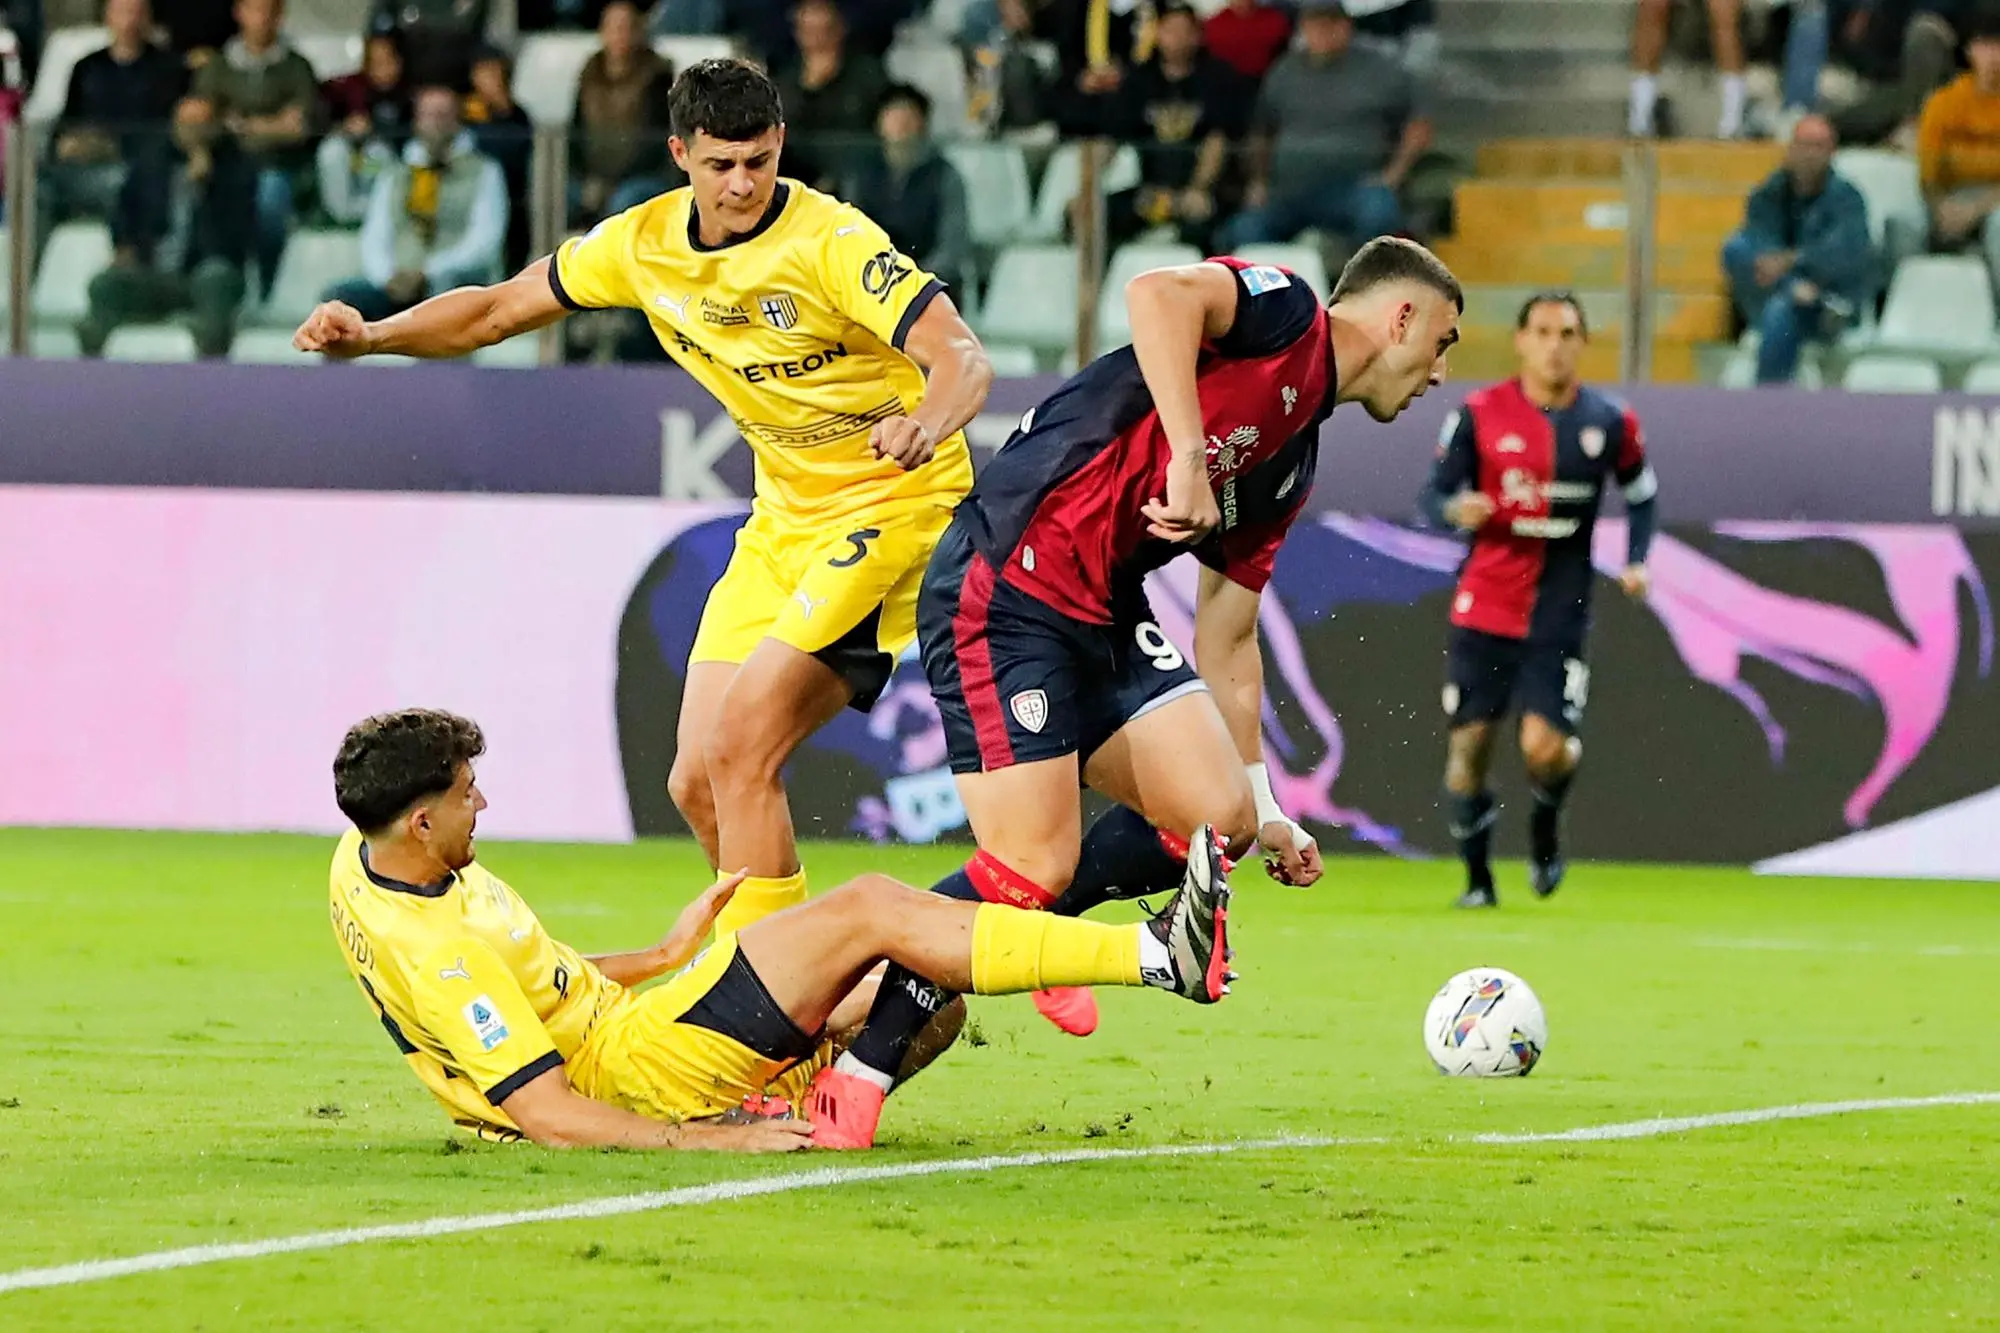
1639	110
1155	959
1734	94
847	1064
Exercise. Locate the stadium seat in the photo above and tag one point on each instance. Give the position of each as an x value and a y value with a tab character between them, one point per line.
1114	325
1741	372
314	260
1011	359
546	72
150	342
64	47
1304	260
1941	304
517	353
1888	183
270	347
53	345
1064	177
1983	378
331	54
1877	373
1031	298
996	189
76	252
936	69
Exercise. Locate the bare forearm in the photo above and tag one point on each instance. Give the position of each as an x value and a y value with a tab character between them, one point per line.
450	324
1415	142
591	1124
1234	673
630	969
1166	339
1208	166
956	389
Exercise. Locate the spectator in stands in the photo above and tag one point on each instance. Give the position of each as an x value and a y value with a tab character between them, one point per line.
24	19
183	238
1802	264
121	101
438	36
1337	129
370	114
908	187
1958	147
1097	43
1182	108
504	133
267	96
1249	36
688	18
1407	29
830	93
618	133
437	218
1012	70
1649	46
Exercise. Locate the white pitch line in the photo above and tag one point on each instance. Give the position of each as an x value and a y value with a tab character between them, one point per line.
826	1177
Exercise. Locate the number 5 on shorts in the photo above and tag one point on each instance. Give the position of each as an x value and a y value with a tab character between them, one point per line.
1154	643
859	540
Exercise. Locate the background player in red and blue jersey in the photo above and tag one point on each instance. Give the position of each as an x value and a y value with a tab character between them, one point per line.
1521	467
1048	666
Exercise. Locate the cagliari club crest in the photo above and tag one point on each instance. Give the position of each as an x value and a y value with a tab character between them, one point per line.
1592	440
1031	709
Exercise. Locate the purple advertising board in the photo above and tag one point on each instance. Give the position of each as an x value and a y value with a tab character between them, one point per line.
633	431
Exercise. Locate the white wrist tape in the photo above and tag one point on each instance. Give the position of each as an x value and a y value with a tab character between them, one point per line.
1268	809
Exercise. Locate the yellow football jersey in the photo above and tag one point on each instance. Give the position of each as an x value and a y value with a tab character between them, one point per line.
475	994
796	327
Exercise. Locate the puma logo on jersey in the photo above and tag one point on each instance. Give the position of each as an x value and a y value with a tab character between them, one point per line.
518	933
807	603
848	230
680	307
456	972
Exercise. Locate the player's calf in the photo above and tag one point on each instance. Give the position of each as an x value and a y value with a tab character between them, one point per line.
1551	758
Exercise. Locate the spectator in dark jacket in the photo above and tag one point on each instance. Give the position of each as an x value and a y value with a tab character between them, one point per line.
1801	265
183	236
120	104
197	28
439	37
912	191
504	133
1013	72
618	134
1182	108
830	93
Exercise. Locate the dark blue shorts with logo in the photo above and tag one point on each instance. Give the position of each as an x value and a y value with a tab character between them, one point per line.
1490	675
1017	681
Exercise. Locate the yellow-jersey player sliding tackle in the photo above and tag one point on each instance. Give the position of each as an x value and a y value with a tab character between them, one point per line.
850	374
519	1035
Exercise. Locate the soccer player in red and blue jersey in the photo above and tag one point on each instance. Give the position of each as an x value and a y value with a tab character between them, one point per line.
1521	468
1048	666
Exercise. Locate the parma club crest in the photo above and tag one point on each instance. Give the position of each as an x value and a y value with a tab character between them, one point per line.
780	311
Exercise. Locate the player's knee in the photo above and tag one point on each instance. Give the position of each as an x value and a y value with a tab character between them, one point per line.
1234	817
1548	753
739	750
687	785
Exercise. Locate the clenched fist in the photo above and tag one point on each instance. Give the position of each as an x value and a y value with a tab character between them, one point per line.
904	441
335	328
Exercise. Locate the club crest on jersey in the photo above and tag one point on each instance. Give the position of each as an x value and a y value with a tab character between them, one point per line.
487	1025
1225	451
1592	440
780	311
1031	709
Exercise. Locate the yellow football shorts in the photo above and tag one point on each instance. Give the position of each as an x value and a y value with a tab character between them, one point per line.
846	592
699	1044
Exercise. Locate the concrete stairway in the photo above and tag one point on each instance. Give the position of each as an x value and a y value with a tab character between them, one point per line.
1552	213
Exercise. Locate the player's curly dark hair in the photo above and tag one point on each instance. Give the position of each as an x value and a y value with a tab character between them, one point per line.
1554	296
389	762
726	99
1389	259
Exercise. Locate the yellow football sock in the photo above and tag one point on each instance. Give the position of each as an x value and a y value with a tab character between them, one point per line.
757	897
1015	950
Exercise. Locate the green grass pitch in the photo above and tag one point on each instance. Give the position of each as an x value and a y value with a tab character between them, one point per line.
188	1063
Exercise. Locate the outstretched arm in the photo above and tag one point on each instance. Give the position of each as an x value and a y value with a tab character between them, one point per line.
450	324
1232	664
555	1115
681	943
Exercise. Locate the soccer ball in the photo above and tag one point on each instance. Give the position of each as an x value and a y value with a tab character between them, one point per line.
1485	1023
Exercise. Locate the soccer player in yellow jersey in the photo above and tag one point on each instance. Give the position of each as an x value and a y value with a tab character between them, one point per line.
799	315
521	1035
